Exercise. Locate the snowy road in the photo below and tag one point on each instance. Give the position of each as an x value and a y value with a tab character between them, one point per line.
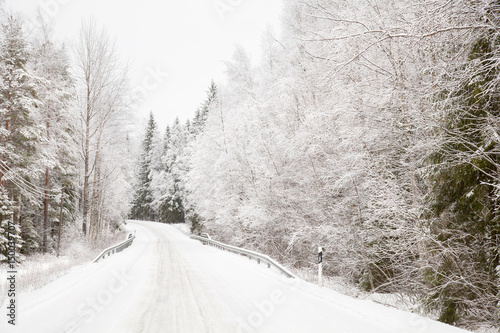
166	282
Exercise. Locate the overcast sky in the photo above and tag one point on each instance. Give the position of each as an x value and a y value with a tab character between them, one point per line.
175	47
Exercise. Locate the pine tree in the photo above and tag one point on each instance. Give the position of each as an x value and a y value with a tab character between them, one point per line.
57	154
18	100
20	134
143	198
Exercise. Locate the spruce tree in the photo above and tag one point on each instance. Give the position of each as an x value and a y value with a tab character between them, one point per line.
201	114
161	190
464	219
173	205
141	206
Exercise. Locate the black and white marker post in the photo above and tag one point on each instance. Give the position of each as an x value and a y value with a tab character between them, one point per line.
320	266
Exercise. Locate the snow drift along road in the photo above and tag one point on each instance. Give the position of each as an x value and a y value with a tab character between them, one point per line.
166	282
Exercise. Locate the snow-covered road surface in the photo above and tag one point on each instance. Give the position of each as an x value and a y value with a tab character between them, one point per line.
166	282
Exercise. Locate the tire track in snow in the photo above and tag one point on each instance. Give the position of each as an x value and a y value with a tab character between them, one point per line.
176	299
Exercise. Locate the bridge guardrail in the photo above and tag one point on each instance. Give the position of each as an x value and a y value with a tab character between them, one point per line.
116	248
250	254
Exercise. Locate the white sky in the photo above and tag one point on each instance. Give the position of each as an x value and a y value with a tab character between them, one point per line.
175	47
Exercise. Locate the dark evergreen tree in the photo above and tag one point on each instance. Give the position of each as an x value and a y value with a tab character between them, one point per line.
464	197
141	206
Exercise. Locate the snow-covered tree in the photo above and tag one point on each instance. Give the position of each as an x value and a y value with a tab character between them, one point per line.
57	154
102	85
463	206
202	112
175	165
18	102
168	167
368	128
20	134
143	197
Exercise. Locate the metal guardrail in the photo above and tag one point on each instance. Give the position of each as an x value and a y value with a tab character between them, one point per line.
116	248
250	254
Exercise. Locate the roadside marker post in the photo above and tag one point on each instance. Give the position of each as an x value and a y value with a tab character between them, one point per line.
320	266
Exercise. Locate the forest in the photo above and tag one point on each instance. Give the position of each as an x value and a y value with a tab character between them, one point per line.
64	137
370	128
367	127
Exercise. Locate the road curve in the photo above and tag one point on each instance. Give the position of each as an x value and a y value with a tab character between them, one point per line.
167	282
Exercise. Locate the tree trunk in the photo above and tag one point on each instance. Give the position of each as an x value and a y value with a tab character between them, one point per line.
94	215
60	225
86	175
46	227
46	211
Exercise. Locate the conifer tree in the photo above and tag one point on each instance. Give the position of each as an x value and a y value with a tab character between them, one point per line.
173	206
197	128
141	206
201	114
57	153
464	197
20	133
18	100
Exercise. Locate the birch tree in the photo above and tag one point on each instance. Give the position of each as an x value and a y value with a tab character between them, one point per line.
102	85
